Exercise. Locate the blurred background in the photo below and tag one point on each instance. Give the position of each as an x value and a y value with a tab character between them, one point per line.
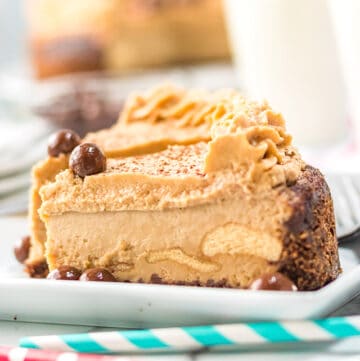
66	63
12	32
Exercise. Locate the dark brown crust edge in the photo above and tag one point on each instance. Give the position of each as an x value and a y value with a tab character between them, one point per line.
156	279
310	256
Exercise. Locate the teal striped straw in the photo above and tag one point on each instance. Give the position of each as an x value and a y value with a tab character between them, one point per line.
192	338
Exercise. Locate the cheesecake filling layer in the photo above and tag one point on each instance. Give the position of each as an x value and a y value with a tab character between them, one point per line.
220	242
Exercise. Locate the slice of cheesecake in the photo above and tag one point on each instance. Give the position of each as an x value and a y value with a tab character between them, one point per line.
149	123
222	213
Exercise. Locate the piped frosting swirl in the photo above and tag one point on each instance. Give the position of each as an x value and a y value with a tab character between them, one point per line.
246	134
168	103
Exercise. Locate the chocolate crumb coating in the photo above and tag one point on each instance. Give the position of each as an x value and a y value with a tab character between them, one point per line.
310	255
156	279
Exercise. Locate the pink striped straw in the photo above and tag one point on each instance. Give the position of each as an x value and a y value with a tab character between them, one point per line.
8	353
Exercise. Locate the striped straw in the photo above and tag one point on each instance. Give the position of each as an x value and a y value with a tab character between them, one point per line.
22	354
193	338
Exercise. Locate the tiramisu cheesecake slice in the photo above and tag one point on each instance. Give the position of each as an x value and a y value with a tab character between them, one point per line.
149	123
242	210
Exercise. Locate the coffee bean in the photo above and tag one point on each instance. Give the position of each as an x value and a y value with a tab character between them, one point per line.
273	282
97	274
22	251
62	142
87	159
64	273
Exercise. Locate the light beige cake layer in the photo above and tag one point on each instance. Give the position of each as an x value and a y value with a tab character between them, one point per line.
223	241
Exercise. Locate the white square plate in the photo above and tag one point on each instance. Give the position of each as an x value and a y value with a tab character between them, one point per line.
139	305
